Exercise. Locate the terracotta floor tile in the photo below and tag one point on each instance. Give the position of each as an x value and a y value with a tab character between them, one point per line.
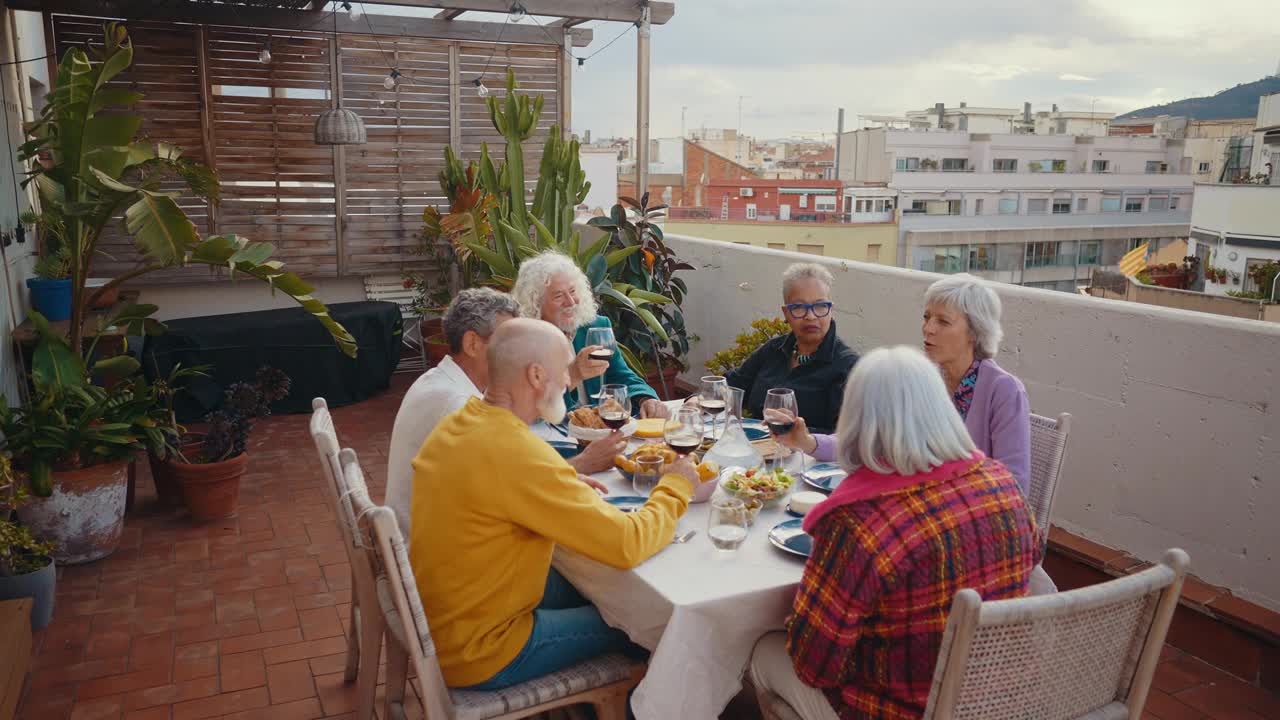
177	692
219	630
290	681
219	705
305	650
1164	706
79	672
307	709
234	607
52	703
193	668
151	650
277	618
241	671
155	676
1228	697
259	641
1183	673
107	643
336	696
106	708
155	713
308	602
329	664
319	623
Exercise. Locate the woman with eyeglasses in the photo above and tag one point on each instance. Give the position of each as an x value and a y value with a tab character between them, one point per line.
812	360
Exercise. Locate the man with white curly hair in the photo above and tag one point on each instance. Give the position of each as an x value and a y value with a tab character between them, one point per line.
552	287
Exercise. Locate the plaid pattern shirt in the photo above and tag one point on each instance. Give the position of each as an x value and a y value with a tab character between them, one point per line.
872	606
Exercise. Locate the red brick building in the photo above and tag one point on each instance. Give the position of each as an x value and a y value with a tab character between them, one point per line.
686	185
760	199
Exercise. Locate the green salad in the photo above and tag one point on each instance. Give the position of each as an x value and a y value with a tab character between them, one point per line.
764	483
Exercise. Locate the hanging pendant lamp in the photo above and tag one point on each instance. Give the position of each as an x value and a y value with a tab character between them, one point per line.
339	126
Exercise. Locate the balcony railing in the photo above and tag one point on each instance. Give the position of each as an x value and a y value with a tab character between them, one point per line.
957	265
1060	260
741	215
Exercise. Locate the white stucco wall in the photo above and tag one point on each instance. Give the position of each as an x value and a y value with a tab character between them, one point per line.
1175	432
601	168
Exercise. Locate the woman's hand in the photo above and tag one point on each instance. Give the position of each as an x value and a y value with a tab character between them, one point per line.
584	368
799	438
654	408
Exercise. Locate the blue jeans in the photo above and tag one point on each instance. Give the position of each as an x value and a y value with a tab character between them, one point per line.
566	630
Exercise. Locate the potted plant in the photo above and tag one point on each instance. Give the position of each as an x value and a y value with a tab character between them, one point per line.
26	564
208	466
762	331
50	285
177	439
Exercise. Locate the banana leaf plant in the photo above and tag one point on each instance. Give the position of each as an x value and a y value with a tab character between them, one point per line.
91	169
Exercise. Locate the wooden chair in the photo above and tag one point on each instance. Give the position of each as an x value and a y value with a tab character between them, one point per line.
1088	654
1048	448
603	682
365	639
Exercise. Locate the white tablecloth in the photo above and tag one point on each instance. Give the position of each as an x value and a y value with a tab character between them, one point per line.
698	611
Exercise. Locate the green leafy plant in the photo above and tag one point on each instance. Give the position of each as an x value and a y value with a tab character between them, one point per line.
229	426
761	332
20	553
1246	295
1264	276
90	169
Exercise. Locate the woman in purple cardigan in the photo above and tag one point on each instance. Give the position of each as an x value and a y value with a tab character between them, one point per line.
962	335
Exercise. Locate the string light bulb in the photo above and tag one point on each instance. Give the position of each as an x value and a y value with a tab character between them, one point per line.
481	90
355	10
264	55
517	11
392	80
582	64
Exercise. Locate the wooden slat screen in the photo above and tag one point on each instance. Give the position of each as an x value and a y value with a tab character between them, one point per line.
278	186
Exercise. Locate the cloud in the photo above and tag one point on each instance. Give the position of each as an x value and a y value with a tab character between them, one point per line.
1072	77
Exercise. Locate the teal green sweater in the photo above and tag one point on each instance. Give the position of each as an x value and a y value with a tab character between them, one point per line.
619	373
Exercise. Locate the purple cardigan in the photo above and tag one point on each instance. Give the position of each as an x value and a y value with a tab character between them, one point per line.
999	422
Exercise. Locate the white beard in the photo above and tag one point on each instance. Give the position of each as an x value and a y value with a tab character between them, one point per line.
553	409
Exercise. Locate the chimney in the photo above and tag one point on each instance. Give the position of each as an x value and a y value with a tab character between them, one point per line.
942	112
964	104
1055	107
1026	112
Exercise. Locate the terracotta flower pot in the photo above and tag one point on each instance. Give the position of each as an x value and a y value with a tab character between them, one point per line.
436	348
211	491
85	514
168	488
669	375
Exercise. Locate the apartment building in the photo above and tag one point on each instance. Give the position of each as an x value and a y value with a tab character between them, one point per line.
679	171
1034	209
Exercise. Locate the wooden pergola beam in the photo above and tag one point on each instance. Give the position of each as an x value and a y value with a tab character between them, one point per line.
316	21
611	10
450	14
565	23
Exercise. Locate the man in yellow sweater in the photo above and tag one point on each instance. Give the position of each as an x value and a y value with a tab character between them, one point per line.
490	502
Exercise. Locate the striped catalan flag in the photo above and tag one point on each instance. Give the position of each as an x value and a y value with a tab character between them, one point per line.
1134	261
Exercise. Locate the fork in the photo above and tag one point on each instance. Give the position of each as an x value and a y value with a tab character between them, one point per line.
682	539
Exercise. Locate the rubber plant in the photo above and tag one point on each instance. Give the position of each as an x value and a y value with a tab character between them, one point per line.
90	169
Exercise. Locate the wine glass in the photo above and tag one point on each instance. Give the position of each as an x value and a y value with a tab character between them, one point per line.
683	430
712	399
603	337
780	414
727	523
647	475
615	406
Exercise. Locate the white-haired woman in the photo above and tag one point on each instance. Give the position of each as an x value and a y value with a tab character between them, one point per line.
962	336
812	360
552	287
922	513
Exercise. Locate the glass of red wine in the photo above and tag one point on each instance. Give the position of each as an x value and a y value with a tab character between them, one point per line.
780	413
713	398
615	406
683	430
606	346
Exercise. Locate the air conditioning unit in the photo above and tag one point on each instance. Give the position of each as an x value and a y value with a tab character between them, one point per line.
747	192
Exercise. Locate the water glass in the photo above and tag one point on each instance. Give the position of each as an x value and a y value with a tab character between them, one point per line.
727	523
647	475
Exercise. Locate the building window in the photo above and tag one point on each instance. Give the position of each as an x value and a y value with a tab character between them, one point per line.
1042	254
864	206
907	164
1062	127
824	204
1135	243
1037	206
882	206
873	253
810	249
977	206
777	246
1173	203
1082	205
1058	166
918	206
804	201
1155	167
1008	206
1133	205
1204	168
1158	204
948	259
1110	204
1006	165
1061	207
954	164
751	211
1101	166
982	257
1090	252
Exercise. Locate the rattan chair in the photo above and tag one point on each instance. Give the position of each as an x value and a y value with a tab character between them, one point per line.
365	638
1087	654
1048	447
603	682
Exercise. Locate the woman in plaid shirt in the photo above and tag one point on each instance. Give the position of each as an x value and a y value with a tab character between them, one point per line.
922	515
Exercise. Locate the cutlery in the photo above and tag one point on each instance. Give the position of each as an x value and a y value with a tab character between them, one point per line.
681	539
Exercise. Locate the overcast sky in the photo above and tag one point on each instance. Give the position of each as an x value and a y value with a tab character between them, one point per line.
796	61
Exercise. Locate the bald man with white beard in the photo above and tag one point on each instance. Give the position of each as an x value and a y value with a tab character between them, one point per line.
491	501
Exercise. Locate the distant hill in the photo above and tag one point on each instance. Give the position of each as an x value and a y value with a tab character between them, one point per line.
1240	101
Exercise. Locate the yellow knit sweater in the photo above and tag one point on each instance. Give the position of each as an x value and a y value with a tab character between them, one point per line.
490	502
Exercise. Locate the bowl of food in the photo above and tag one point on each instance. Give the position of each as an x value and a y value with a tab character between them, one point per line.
586	425
708	470
767	486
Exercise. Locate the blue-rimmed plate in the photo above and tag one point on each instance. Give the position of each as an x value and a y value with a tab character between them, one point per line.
824	476
751	428
627	503
566	448
790	537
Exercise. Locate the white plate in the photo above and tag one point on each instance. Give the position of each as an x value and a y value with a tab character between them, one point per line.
790	537
589	434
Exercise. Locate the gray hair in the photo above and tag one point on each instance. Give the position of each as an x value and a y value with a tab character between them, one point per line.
536	274
980	305
897	416
477	310
798	272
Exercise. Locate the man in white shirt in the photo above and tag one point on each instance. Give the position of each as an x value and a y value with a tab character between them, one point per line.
468	324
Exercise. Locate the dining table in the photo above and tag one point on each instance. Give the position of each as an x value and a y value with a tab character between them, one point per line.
699	611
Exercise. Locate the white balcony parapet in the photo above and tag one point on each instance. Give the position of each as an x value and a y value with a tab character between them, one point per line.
1176	434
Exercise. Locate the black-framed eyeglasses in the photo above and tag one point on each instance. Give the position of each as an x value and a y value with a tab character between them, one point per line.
799	310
